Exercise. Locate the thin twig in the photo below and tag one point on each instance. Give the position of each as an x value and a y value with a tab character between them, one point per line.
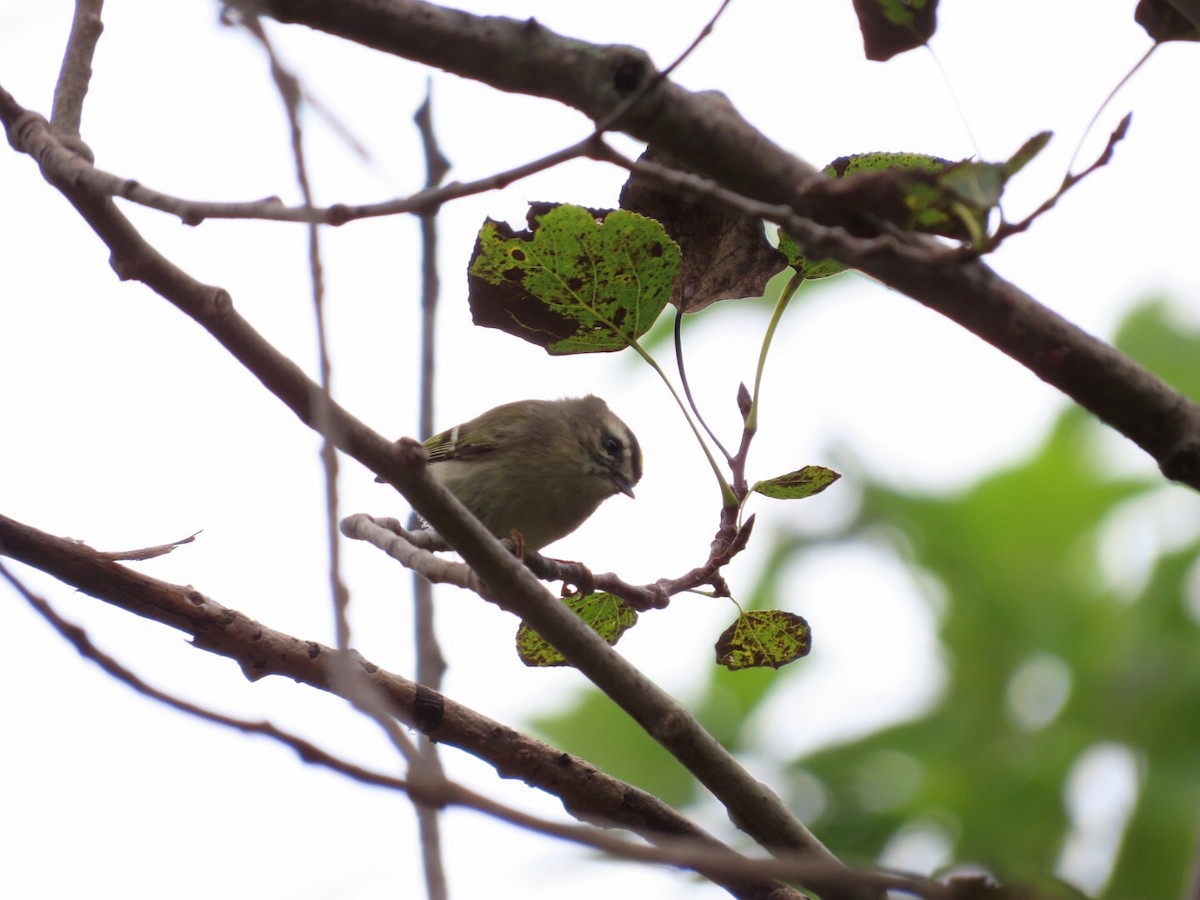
585	791
417	551
1008	229
1125	79
426	778
700	37
194	212
609	121
75	76
431	664
687	388
290	92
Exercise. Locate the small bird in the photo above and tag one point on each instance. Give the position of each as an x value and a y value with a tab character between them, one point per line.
537	467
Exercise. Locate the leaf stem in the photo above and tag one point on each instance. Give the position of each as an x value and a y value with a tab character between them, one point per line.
781	304
687	388
728	498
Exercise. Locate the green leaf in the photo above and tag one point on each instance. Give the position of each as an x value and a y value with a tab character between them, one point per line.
606	614
798	260
796	485
769	637
855	164
1027	152
980	184
918	192
576	282
881	160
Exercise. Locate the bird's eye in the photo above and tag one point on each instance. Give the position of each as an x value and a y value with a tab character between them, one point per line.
611	445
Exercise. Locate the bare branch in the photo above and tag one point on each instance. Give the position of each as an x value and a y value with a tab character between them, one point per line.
291	94
700	37
76	73
743	877
586	792
194	212
431	664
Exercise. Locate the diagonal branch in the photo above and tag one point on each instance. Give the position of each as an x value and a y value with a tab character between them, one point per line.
707	135
260	651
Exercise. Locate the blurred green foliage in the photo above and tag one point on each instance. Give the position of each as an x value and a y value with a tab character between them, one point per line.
1047	659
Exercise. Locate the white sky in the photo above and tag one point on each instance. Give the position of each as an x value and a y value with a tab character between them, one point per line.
127	426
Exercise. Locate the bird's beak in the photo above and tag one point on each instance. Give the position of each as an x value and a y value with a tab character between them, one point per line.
623	485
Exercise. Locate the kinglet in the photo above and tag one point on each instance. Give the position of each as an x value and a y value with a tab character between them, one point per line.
538	467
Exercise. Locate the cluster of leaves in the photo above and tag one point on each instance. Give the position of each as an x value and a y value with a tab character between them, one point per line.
582	280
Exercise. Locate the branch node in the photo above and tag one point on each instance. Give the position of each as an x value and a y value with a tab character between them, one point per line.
338	214
22	125
411	452
429	707
629	72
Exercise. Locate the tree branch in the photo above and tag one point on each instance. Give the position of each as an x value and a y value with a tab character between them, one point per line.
431	664
707	135
260	651
76	73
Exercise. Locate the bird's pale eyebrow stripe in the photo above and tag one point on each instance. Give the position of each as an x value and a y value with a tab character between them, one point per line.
635	455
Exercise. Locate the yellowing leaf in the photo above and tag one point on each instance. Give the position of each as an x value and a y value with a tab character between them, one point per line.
808	268
843	167
769	637
606	614
576	281
796	485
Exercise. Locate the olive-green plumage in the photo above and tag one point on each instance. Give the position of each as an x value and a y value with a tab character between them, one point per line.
538	467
